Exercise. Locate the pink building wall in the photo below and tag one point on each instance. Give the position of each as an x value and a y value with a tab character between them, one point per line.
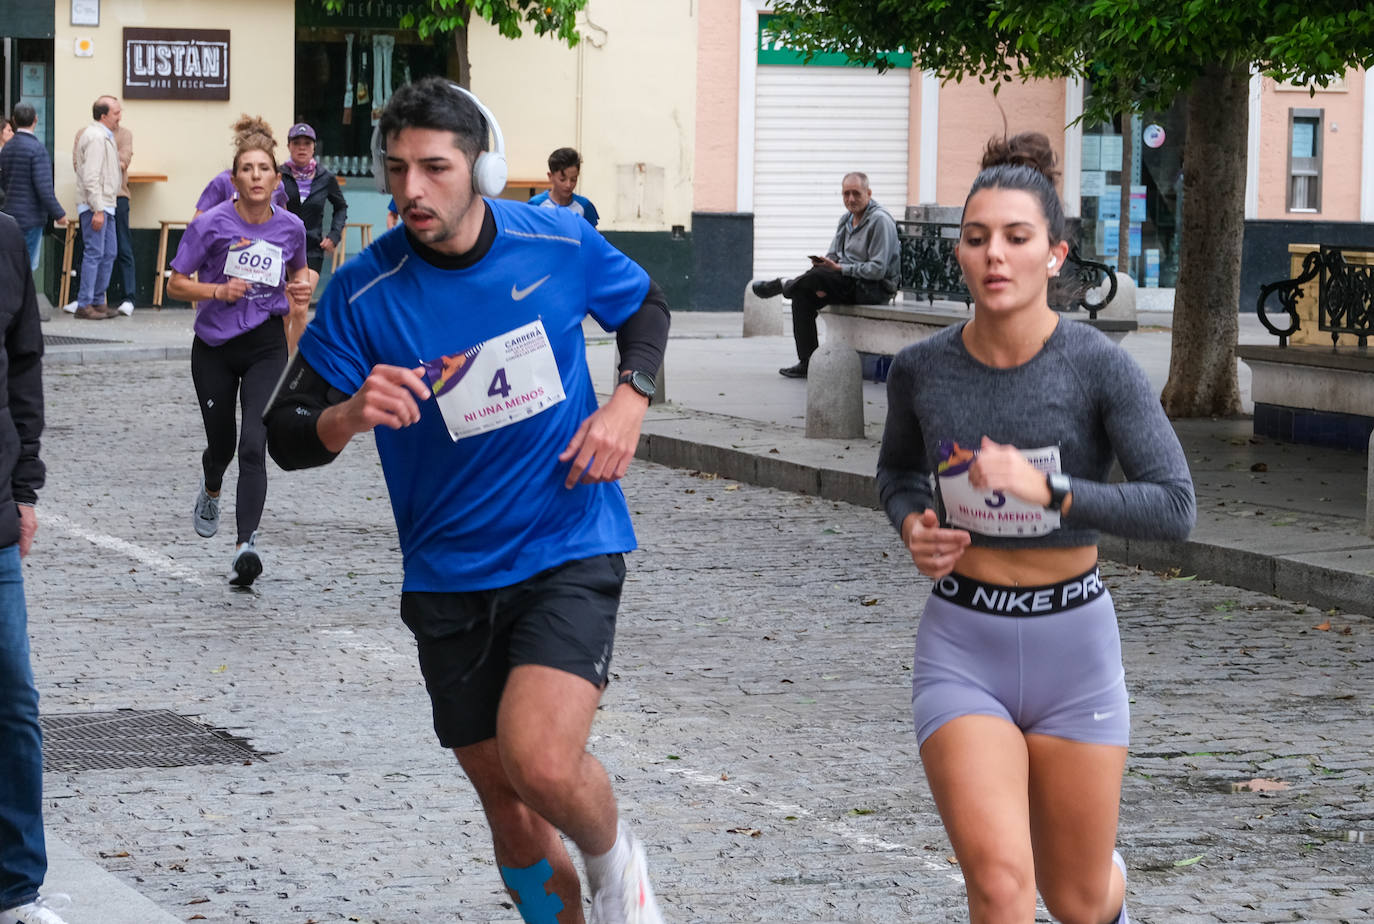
716	153
1342	128
969	116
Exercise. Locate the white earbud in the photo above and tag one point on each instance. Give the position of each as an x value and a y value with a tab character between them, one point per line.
1052	262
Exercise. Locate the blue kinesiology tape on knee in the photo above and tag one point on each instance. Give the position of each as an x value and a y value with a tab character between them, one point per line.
537	904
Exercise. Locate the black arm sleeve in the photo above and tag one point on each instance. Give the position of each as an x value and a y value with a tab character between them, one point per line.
293	413
24	344
644	335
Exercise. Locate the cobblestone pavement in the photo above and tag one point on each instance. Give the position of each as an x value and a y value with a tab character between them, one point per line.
757	726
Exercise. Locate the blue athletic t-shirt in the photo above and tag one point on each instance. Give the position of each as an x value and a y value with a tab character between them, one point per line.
486	510
580	205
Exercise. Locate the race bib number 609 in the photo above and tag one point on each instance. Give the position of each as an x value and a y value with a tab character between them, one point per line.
254	261
496	383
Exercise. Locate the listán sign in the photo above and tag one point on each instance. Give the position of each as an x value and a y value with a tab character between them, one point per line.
176	64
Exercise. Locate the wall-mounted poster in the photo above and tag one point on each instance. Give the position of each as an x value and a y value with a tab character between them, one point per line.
33	78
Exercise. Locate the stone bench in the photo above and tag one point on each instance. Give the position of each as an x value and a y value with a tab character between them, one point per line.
1317	385
1316	394
834	383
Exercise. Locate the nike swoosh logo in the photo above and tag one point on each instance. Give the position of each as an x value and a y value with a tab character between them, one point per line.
1099	716
517	294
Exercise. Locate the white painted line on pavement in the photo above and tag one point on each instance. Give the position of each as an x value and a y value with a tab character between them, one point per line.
155	561
839	829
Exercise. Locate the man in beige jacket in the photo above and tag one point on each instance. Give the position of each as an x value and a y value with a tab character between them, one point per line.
98	178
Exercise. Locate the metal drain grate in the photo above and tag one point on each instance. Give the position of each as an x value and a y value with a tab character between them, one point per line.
65	340
132	738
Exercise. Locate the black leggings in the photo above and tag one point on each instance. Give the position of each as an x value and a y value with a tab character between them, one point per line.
247	367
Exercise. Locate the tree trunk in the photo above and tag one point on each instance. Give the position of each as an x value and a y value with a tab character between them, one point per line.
1123	224
1202	364
462	63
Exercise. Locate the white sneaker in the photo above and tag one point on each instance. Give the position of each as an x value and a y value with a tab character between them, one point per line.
41	910
70	307
1121	865
627	897
126	308
247	564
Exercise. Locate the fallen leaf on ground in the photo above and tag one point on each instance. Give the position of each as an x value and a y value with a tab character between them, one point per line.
752	832
1190	861
1260	784
1323	627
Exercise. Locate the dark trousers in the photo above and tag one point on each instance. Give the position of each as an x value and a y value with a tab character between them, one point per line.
124	255
810	292
23	855
246	367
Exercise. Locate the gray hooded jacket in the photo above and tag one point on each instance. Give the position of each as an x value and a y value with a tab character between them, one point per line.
870	251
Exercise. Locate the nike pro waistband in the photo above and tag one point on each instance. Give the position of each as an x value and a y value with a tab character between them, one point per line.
1000	600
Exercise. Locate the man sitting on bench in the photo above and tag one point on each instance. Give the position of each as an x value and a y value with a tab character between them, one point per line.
860	268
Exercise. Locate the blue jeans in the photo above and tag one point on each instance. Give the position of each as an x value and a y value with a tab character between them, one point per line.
97	260
23	856
33	239
124	257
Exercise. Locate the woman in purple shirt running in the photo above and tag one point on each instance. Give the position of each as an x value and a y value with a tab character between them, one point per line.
252	283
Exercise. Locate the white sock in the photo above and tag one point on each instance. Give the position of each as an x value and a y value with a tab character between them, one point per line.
601	867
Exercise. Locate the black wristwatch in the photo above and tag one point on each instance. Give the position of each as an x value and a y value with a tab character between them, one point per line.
641	382
1059	489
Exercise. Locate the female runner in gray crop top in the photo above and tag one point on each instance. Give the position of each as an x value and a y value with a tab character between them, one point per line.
1000	435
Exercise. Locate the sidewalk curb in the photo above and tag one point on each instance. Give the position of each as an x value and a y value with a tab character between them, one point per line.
65	355
1281	576
98	896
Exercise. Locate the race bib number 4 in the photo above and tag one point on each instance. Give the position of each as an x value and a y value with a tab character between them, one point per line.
497	383
254	261
992	513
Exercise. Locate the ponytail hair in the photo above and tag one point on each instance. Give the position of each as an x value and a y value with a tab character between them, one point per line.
1025	161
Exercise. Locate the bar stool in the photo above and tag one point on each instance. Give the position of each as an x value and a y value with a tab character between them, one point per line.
163	274
341	251
68	245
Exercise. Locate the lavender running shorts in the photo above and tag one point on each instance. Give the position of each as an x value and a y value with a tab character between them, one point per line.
1047	659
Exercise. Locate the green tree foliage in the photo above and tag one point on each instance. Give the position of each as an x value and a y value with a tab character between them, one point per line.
1137	54
510	17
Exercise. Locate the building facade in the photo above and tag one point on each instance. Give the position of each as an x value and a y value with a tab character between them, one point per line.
713	154
776	136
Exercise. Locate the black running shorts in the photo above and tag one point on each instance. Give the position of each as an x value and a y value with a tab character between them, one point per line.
468	642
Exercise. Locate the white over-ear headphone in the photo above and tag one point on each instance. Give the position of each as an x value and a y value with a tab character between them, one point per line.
488	172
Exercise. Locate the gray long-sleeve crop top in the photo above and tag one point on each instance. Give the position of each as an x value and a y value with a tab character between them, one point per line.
1081	393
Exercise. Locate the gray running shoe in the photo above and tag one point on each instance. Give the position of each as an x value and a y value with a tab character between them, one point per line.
206	515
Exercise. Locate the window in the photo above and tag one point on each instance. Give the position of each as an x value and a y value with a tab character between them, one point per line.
1304	160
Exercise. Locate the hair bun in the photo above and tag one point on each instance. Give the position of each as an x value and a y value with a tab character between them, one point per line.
251	125
1028	149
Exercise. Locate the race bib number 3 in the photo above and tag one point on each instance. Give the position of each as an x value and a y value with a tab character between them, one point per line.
254	261
992	513
497	383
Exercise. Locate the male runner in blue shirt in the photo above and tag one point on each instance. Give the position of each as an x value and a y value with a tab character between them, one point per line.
458	339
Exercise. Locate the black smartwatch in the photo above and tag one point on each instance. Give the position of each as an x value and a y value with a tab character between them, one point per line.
1059	489
641	382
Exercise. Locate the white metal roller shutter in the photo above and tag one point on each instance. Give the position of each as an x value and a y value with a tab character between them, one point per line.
812	125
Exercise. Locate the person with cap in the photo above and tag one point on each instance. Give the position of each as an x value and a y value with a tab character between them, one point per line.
308	185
